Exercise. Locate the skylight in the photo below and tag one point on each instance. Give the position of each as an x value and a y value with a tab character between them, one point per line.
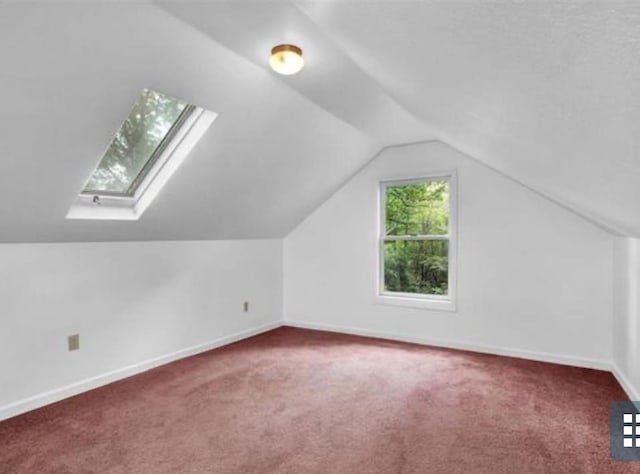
137	143
158	133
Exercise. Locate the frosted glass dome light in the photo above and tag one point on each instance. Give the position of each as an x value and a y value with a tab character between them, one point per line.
286	59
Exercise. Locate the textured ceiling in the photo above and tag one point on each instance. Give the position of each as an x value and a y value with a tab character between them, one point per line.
546	93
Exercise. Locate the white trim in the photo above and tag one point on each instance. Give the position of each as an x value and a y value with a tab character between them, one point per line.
51	396
174	155
459	345
418	179
632	392
417	237
408	300
46	398
429	302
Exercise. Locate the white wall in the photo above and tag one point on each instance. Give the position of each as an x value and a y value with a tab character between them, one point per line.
626	314
130	302
533	278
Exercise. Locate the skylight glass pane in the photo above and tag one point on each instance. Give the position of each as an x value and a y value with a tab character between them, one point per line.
137	143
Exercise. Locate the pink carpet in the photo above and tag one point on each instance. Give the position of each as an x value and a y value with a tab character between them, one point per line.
298	401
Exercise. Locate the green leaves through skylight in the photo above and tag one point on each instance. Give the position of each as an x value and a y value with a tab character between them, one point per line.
151	124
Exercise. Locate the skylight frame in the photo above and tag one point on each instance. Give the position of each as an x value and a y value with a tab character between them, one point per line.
150	163
182	137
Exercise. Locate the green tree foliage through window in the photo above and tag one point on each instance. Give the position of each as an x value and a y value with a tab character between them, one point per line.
416	241
149	122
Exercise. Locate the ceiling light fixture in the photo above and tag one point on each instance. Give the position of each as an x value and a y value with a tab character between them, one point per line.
286	59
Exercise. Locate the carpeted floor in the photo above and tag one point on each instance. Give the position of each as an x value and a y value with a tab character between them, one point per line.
298	401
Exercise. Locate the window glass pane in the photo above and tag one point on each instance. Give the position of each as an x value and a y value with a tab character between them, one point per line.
148	123
416	266
417	208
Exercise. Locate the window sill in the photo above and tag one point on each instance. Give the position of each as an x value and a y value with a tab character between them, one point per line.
418	303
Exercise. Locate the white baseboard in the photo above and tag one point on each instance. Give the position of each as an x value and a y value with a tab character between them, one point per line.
485	349
632	392
36	401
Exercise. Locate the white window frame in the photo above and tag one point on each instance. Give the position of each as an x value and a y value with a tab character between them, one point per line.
110	207
416	300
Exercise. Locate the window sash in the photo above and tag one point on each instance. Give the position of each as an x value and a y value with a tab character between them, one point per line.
383	237
150	163
404	294
415	237
405	182
168	138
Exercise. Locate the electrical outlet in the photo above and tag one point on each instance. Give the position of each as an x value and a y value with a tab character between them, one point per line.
246	306
74	342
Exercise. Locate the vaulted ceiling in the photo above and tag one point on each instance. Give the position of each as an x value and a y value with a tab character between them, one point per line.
546	93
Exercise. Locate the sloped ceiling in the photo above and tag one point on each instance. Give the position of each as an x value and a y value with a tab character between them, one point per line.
70	71
546	93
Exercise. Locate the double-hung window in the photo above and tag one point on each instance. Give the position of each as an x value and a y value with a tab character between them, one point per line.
417	244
